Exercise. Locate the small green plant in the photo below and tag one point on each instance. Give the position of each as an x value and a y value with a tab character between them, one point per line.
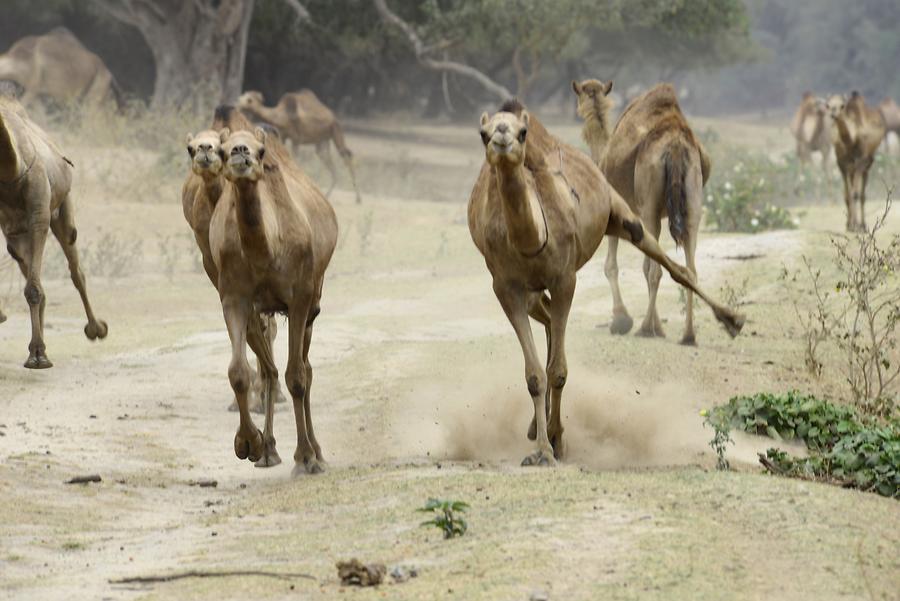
447	516
721	425
845	447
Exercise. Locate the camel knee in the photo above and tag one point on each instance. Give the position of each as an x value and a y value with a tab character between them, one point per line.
240	376
611	269
537	384
34	295
557	374
296	382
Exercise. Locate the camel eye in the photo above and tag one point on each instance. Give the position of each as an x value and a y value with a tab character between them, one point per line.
191	151
485	138
522	135
262	153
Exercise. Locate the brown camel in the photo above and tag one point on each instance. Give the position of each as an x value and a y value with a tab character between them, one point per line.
35	196
57	66
200	193
811	129
301	118
537	213
271	236
857	134
652	159
891	113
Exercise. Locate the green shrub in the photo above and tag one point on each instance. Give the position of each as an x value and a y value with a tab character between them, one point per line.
845	447
447	516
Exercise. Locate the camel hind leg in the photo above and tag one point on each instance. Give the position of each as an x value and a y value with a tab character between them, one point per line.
323	150
267	372
623	223
337	136
621	320
63	227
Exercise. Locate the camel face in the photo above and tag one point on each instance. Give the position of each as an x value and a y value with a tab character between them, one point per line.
835	104
204	152
243	154
588	92
504	137
250	100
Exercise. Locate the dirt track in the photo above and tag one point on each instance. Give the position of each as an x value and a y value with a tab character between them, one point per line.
418	392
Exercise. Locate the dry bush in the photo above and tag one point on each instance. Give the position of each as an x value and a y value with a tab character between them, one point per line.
858	314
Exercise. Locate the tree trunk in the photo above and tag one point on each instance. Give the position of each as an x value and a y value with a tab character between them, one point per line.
199	46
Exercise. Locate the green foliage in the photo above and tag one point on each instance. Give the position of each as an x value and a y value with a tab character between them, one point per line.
721	438
447	516
845	447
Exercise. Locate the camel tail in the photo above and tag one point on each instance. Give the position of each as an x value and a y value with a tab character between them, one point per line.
676	163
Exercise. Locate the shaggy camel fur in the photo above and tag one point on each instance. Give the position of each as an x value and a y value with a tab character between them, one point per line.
35	196
56	65
811	129
301	118
271	236
857	134
652	159
199	195
537	213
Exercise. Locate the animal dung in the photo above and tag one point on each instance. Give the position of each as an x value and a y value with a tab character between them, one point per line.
356	573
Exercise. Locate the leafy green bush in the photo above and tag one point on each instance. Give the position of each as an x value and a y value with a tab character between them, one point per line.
845	447
447	516
741	197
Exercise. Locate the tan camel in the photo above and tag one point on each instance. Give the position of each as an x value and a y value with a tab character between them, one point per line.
537	213
301	118
200	193
35	196
811	129
271	236
857	134
891	113
652	159
56	65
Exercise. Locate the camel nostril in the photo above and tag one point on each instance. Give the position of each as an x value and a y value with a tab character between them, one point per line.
503	128
206	147
239	150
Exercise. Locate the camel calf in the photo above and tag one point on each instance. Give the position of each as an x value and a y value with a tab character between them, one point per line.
537	213
35	197
811	129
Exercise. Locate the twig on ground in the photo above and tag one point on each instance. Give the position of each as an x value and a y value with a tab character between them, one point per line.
207	574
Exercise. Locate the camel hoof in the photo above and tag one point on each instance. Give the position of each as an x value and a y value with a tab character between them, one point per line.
2	317
688	340
646	332
96	329
733	322
249	448
532	430
270	456
308	466
621	324
38	361
559	446
540	459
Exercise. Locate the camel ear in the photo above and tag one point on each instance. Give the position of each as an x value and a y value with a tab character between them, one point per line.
576	87
525	118
224	134
484	119
607	88
260	134
190	148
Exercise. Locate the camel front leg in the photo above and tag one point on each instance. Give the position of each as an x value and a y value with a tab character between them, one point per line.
557	370
514	302
63	227
864	183
248	441
268	376
32	250
621	321
297	380
539	310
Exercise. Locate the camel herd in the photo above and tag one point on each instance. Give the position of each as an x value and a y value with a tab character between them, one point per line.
538	211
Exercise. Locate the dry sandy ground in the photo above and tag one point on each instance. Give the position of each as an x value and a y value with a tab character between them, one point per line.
418	393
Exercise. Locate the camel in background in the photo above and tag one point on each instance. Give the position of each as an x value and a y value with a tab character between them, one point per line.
857	134
57	66
35	196
271	236
537	213
652	159
890	111
301	118
811	129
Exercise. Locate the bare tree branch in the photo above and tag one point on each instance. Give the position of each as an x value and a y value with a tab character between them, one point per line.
421	52
299	10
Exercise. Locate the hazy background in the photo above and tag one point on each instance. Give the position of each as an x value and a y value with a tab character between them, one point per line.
726	56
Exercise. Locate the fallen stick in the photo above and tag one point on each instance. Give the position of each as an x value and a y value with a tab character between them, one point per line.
85	479
206	574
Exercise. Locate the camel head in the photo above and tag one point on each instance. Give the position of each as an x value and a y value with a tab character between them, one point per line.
250	100
243	152
204	152
591	94
836	104
504	136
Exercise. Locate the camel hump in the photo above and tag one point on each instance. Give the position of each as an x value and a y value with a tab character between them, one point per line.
676	160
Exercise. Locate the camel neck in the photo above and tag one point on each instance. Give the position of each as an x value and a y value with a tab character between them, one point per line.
264	113
213	188
522	211
9	158
251	228
596	132
840	124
